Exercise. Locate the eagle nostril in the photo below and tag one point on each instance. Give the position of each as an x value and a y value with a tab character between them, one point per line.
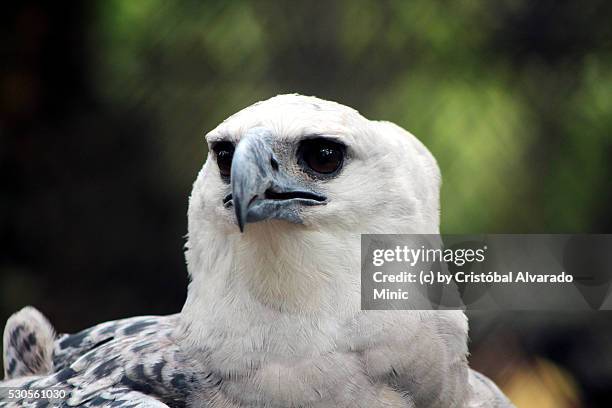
227	200
274	163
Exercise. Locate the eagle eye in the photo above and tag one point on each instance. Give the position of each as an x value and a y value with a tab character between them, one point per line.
224	151
321	156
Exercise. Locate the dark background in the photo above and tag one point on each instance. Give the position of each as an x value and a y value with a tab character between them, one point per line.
104	105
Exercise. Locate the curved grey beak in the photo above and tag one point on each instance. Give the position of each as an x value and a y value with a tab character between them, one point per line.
261	189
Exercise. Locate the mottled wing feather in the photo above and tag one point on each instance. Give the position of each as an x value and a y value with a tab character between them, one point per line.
123	398
27	344
133	355
69	347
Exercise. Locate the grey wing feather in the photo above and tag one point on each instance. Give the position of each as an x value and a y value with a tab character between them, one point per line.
69	347
124	398
27	344
117	358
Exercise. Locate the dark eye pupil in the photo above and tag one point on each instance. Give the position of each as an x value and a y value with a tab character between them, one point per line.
324	157
225	153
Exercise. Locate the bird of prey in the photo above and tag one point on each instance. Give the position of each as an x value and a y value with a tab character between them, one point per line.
273	317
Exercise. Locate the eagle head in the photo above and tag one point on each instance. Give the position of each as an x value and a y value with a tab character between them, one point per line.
289	185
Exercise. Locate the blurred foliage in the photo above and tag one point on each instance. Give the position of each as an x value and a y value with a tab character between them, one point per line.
104	105
510	96
543	385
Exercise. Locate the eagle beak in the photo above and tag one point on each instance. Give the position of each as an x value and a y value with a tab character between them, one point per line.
261	189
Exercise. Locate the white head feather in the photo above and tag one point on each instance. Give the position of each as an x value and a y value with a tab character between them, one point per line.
281	291
389	184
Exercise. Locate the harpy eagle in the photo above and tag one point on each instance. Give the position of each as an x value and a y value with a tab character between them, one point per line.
272	317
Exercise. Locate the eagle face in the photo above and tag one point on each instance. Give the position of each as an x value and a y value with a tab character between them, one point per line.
273	179
313	164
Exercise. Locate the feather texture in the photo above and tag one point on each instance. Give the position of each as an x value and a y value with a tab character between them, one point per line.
273	317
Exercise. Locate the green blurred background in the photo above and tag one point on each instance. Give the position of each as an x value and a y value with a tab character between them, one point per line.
104	105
